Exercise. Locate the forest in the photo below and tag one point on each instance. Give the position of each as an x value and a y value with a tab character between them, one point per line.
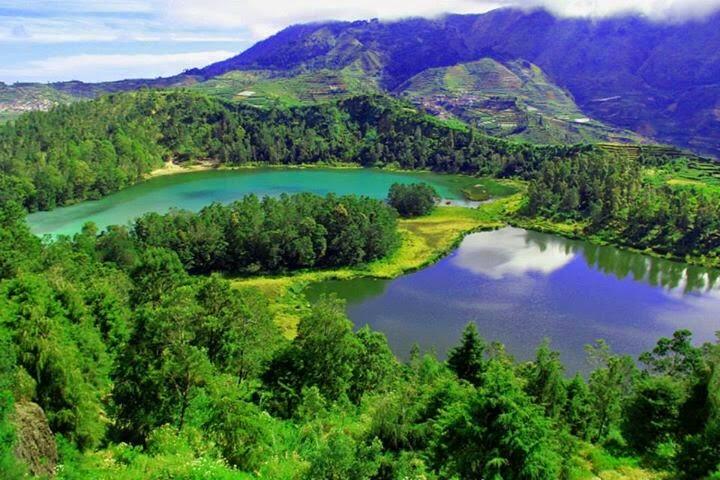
615	199
268	235
414	200
89	149
148	363
145	371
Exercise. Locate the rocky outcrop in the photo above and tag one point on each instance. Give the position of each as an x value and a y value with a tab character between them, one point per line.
34	443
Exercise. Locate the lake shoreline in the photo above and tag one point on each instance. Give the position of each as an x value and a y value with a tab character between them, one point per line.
188	187
425	241
172	168
476	192
574	232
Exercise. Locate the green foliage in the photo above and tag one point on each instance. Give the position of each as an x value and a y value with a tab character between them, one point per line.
496	432
615	200
145	371
652	415
545	381
466	360
675	357
240	429
414	200
322	355
62	351
272	235
189	332
610	385
89	149
592	187
578	411
17	244
341	458
700	452
375	367
8	464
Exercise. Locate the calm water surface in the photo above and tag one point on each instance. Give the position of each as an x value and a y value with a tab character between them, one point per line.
193	191
520	286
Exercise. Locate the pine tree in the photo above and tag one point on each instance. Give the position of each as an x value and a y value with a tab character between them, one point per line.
466	359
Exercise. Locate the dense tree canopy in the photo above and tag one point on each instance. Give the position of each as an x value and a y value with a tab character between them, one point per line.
412	200
273	234
615	199
146	371
89	149
174	375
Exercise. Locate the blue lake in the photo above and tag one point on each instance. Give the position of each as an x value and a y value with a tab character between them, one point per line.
520	287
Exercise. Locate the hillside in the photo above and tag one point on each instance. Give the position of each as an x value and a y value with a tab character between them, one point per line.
266	87
20	98
660	80
512	99
92	148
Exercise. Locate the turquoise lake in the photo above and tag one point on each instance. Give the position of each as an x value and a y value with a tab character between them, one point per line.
193	191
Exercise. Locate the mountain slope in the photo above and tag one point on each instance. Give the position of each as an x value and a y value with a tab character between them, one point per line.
513	99
267	87
19	98
661	80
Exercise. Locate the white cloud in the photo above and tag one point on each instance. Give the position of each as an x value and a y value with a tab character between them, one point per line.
51	21
264	17
664	10
63	29
35	30
110	67
80	6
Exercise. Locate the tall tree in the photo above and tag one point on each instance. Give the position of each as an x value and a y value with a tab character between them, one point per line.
467	358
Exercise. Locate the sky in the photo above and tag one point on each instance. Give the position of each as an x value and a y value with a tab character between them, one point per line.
102	40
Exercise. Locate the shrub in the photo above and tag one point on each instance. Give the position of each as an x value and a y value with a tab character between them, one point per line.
412	200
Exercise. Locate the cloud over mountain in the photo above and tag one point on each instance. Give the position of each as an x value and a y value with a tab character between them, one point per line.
267	16
40	30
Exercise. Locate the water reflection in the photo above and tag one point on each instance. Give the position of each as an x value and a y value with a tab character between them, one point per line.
354	291
519	287
510	252
655	271
514	252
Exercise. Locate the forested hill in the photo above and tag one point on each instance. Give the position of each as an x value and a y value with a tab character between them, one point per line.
658	79
624	78
89	149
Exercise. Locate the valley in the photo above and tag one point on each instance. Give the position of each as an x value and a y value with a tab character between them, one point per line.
486	276
520	285
460	246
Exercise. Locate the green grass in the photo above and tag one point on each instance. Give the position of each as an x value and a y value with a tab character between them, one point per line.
593	463
265	88
684	172
512	99
483	189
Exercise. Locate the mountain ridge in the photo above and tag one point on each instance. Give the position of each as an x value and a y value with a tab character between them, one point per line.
643	67
659	80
